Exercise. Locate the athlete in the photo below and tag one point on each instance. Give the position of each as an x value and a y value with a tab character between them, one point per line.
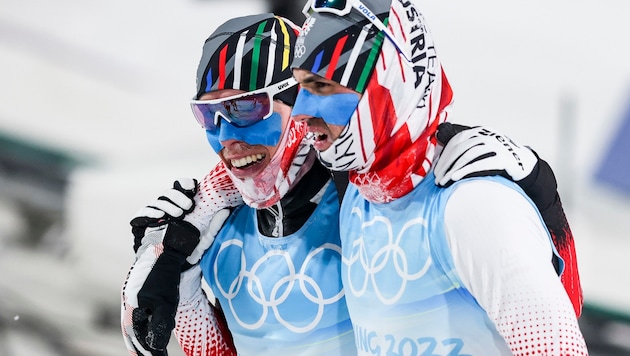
274	265
464	269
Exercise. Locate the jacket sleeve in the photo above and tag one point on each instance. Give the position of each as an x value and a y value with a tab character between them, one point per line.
502	253
200	326
216	192
541	187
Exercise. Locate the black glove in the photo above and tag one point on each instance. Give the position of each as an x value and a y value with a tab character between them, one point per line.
154	318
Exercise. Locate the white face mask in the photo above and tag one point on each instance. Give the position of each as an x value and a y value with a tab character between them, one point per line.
344	154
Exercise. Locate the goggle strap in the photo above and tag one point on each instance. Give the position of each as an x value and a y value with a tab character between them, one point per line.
357	5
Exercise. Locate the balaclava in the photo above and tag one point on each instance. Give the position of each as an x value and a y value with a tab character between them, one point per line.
389	144
249	53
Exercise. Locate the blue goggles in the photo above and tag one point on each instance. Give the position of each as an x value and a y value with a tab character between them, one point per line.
250	116
241	110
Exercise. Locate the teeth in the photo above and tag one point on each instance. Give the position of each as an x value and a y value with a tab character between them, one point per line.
242	162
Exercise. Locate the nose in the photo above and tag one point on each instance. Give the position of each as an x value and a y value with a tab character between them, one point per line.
234	144
300	117
226	143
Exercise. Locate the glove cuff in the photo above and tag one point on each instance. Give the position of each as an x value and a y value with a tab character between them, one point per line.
181	236
540	185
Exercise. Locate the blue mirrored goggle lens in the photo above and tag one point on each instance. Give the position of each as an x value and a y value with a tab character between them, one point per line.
241	112
329	4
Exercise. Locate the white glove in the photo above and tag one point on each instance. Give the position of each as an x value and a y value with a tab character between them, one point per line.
480	151
178	203
171	204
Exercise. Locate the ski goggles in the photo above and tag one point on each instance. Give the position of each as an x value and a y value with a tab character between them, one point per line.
240	110
343	7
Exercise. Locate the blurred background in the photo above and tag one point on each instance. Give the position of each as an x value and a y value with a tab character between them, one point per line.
95	123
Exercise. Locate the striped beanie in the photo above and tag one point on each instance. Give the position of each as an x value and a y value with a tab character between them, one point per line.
390	143
248	53
342	48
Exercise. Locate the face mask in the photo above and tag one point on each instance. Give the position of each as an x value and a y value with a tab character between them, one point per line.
344	155
290	162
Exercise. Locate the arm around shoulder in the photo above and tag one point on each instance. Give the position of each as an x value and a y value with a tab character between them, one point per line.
201	328
503	254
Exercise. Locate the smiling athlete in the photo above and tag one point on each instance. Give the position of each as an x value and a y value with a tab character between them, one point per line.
465	269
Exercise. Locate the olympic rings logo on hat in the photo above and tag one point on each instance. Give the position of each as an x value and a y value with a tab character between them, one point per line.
300	50
274	298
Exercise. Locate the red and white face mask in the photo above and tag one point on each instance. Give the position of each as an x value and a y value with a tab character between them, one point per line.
290	162
390	142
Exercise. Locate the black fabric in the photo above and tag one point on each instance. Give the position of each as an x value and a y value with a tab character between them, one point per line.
154	319
296	204
341	181
139	226
138	234
541	185
447	130
290	9
181	236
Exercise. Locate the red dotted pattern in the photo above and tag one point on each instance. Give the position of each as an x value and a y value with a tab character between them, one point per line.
203	331
217	189
126	322
531	329
216	192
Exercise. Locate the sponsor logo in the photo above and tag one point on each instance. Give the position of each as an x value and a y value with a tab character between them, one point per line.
367	12
308	25
507	143
282	86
